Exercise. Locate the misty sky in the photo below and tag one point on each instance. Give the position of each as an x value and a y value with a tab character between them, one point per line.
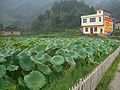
27	9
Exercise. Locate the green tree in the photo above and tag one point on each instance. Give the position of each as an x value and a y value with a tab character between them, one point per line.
62	16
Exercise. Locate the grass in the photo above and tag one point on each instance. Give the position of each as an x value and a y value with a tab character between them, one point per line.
109	75
70	33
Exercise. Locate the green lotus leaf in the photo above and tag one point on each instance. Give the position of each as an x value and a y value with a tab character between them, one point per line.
58	68
91	58
2	70
44	69
10	52
106	51
35	80
57	60
78	47
55	44
2	59
2	84
40	57
21	82
47	58
3	53
50	45
10	86
12	67
58	42
25	61
40	48
73	54
82	53
61	52
43	58
70	60
35	60
89	50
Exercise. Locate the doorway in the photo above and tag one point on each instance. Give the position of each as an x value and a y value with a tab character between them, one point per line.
101	30
91	30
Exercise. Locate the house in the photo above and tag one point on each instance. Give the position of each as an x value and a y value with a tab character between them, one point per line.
101	22
10	30
118	25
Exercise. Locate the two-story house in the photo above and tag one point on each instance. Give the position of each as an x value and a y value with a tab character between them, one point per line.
101	22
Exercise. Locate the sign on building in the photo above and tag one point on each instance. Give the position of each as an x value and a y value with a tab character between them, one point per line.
108	25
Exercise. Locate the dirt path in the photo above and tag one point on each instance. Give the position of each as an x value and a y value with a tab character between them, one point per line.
115	84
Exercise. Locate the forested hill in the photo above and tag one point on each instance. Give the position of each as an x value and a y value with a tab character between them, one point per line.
22	10
62	16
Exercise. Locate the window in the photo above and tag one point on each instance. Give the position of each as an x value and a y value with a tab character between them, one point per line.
92	19
86	29
99	19
95	29
84	20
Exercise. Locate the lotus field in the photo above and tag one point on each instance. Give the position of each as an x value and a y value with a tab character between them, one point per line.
40	63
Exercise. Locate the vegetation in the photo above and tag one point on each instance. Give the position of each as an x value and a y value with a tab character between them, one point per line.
109	75
63	15
116	33
34	63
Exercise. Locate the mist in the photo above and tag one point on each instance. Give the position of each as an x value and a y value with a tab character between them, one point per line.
110	5
23	10
27	10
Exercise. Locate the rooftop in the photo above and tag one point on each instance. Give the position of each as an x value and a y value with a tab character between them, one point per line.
10	28
103	10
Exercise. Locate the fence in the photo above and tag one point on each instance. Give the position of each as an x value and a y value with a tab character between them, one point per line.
92	80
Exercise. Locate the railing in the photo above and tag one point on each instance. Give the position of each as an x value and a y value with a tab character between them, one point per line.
91	81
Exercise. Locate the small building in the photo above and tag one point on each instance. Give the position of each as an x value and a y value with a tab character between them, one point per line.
10	30
118	25
101	22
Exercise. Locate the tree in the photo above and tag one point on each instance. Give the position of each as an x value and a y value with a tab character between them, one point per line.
62	16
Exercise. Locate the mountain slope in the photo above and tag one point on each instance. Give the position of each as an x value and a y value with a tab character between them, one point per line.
23	10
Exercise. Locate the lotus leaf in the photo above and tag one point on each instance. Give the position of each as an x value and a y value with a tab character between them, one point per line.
12	67
2	84
2	70
35	80
44	69
57	60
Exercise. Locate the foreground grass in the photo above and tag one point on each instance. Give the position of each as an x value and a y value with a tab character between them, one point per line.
109	75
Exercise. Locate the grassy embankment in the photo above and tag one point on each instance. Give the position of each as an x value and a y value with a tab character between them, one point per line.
109	75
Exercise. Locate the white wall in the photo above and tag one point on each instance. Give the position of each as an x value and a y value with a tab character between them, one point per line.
85	31
94	32
92	23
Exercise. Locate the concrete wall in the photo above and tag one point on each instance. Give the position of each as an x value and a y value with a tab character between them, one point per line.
7	33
